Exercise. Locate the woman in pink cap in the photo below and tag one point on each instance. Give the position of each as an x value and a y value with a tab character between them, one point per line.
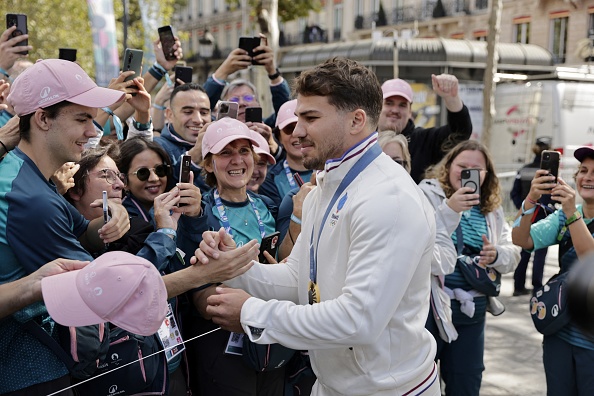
228	166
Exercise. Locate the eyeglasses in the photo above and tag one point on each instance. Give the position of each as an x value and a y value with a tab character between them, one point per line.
144	173
288	130
402	163
246	98
109	175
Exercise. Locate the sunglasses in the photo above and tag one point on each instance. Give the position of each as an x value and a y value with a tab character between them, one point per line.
144	173
109	175
288	130
246	98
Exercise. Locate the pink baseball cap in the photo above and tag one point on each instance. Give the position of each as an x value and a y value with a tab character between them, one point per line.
263	148
286	114
50	81
397	87
117	287
222	132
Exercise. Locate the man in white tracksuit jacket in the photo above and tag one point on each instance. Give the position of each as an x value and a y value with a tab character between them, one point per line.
365	334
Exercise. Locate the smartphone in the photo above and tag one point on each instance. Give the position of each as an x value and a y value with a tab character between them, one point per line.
472	178
269	244
298	179
106	216
20	21
549	161
228	109
68	54
183	73
167	42
132	61
253	114
248	44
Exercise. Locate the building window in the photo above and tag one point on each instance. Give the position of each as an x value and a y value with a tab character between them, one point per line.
480	35
337	22
481	4
358	7
216	6
200	8
521	33
591	25
558	38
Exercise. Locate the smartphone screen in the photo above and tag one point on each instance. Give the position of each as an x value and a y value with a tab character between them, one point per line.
132	61
167	41
269	244
20	21
227	109
183	73
471	178
253	114
68	54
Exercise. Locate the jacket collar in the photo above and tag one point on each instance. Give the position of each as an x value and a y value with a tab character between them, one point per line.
170	134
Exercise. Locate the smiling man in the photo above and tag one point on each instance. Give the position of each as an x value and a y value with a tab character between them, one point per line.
427	146
188	113
355	289
56	102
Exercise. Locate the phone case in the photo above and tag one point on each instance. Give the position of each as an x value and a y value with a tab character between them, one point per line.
269	244
253	114
20	20
248	44
68	54
549	160
227	109
167	41
471	178
184	169
183	73
132	61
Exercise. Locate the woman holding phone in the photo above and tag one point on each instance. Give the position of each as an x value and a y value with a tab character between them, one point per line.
478	223
228	165
568	355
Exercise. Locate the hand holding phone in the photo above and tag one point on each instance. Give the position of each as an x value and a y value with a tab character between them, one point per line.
253	114
183	73
106	216
269	244
132	61
471	178
248	44
68	54
184	171
167	42
228	109
550	161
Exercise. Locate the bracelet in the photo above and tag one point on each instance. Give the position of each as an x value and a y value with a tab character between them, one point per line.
531	201
159	107
157	66
168	231
291	237
275	75
575	217
2	71
5	149
142	127
529	211
156	73
295	219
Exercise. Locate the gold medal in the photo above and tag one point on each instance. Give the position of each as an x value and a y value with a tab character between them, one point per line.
313	293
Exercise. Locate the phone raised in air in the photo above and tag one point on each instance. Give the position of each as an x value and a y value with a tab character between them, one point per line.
20	21
471	178
253	114
549	161
132	61
183	73
167	42
68	54
269	244
248	44
227	109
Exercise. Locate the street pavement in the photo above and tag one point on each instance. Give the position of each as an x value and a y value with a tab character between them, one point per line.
513	347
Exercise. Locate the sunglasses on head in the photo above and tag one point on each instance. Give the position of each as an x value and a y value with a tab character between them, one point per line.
246	98
144	173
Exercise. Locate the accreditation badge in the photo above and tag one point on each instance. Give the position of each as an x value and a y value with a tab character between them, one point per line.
313	293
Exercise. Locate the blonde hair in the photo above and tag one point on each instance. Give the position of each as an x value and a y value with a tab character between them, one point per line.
490	189
387	137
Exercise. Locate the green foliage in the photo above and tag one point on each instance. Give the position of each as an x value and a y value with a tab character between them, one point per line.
288	10
57	24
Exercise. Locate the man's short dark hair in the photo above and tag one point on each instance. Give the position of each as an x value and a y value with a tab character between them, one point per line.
184	88
347	84
25	121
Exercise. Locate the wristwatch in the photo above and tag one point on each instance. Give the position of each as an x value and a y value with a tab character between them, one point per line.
275	75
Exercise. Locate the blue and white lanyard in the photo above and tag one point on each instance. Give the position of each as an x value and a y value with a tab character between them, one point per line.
290	177
225	220
368	157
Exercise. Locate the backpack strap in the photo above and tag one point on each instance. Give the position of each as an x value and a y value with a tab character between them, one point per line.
567	242
38	332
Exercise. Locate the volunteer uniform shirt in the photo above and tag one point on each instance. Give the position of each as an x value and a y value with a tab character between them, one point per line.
279	182
37	225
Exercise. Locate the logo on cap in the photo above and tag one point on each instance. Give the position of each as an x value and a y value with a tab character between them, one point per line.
44	92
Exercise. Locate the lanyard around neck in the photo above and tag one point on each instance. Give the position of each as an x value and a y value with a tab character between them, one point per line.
290	177
371	154
225	220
